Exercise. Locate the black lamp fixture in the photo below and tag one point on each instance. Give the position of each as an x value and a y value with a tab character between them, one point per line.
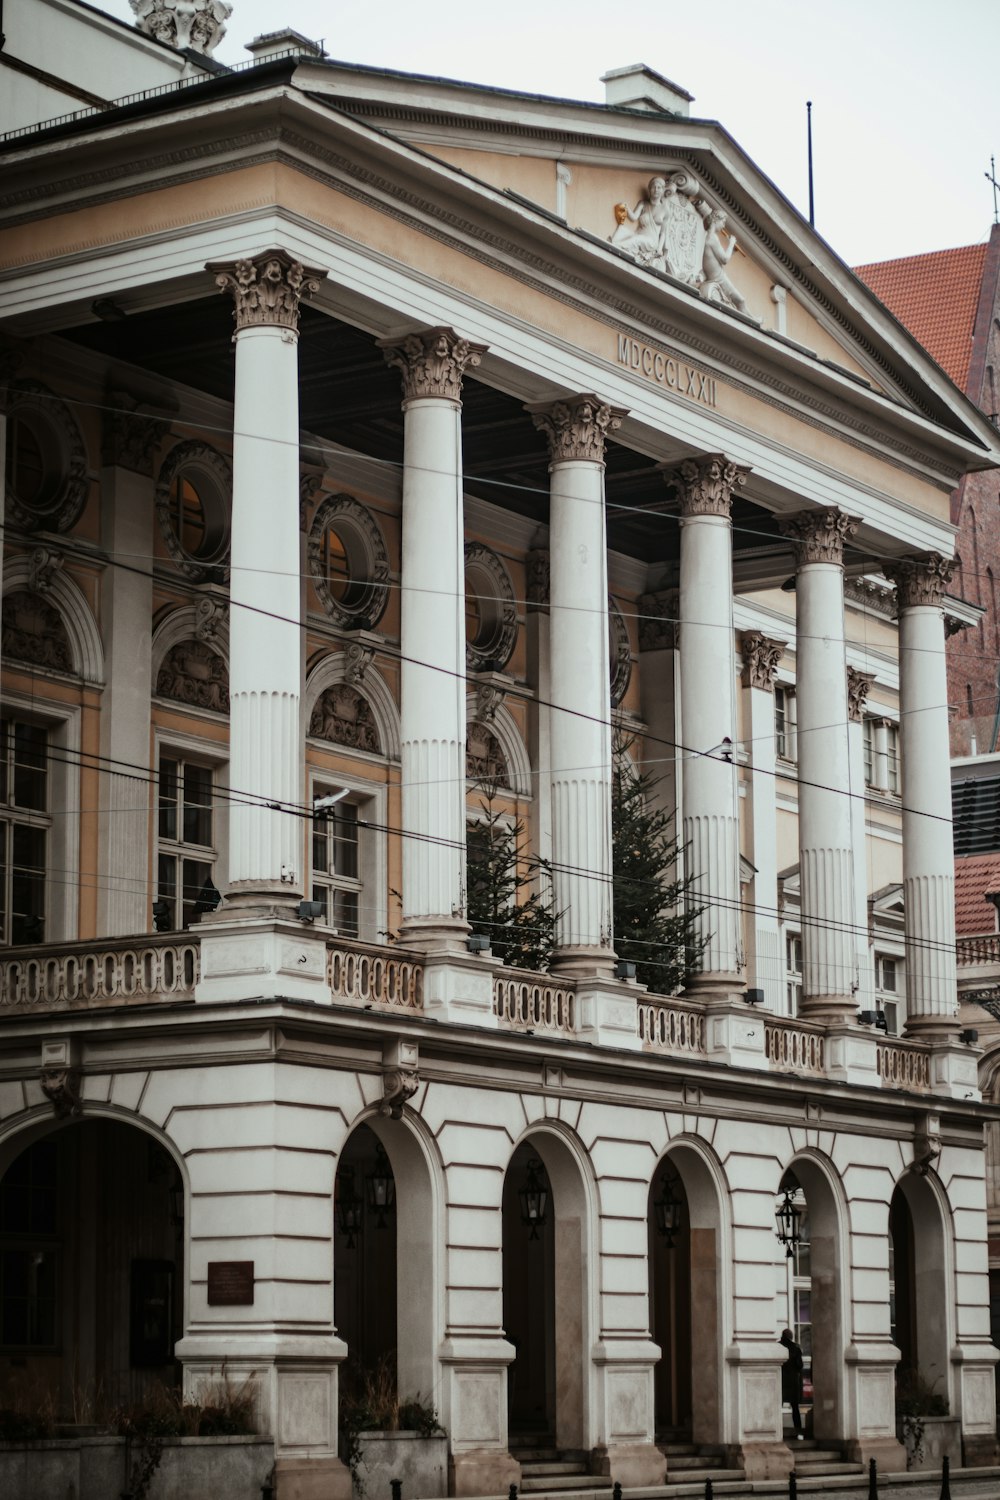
380	1186
787	1216
534	1196
667	1208
350	1208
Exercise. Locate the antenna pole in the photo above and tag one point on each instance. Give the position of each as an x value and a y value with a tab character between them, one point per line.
809	137
991	176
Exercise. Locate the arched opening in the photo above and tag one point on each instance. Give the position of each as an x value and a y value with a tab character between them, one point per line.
384	1264
545	1288
685	1299
918	1287
91	1267
814	1309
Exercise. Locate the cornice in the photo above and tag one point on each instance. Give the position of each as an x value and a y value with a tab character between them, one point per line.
353	179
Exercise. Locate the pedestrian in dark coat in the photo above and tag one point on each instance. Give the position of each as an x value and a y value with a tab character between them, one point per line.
791	1379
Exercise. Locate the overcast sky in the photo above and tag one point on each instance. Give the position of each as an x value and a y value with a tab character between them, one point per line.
906	108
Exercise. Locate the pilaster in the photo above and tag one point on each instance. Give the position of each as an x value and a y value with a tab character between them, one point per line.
858	687
761	656
580	715
826	859
432	364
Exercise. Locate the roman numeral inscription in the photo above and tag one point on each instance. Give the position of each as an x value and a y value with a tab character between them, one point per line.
675	374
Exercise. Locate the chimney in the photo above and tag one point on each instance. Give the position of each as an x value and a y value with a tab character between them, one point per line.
276	43
638	87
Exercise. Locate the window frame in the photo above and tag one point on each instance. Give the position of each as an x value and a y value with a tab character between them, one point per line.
786	745
191	749
371	883
62	723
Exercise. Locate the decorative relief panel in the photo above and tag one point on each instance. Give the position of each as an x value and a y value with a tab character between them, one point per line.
620	653
674	229
344	717
659	627
490	592
194	491
33	631
761	656
858	687
484	757
537	565
47	479
193	673
129	438
349	562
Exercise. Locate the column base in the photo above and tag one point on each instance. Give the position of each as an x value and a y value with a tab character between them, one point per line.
458	986
606	1014
484	1471
734	1034
715	987
834	1010
980	1452
852	1054
435	935
583	963
632	1465
889	1454
312	1479
261	953
761	1461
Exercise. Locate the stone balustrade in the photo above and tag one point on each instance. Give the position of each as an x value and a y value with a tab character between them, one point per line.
524	1001
982	949
904	1065
795	1046
366	974
674	1025
109	972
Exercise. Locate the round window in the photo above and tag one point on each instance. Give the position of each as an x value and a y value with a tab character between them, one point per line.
192	502
349	563
45	474
490	611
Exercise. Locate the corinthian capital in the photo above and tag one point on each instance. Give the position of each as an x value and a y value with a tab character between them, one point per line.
761	656
858	685
920	580
577	428
818	536
267	290
706	483
433	362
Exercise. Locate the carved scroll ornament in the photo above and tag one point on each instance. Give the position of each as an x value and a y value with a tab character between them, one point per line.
398	1087
620	653
577	429
432	362
858	687
705	484
818	536
267	290
920	580
195	24
761	656
61	1086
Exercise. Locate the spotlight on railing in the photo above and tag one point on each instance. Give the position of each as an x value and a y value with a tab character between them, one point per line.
308	911
968	1036
477	942
624	969
753	997
867	1018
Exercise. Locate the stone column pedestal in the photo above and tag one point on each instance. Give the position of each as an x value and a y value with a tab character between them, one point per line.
474	1412
580	715
826	857
870	1405
432	364
627	1454
757	1443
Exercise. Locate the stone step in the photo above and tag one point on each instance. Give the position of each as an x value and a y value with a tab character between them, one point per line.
699	1476
543	1484
553	1464
680	1461
825	1469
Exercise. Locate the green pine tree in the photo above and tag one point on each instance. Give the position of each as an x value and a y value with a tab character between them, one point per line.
655	920
508	893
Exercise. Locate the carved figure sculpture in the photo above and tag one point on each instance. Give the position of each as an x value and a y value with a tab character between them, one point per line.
640	230
344	717
193	673
663	230
34	632
714	283
196	24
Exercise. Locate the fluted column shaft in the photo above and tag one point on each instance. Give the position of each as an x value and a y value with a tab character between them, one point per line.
580	682
928	855
266	749
432	672
858	685
761	656
710	819
826	863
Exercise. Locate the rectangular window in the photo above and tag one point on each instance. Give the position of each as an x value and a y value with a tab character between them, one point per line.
892	758
784	724
336	867
24	830
793	972
185	856
868	731
889	989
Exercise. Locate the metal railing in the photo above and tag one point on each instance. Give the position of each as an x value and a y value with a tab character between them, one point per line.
671	1026
365	974
106	972
524	1001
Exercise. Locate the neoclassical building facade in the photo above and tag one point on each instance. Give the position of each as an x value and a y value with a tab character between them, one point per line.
368	438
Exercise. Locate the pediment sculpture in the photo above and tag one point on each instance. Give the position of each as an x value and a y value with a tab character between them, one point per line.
344	717
34	632
196	24
193	673
673	228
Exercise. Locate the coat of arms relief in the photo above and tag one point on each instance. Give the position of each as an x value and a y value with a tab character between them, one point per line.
672	228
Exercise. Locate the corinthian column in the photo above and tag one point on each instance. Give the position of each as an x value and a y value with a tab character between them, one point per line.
266	751
432	365
580	681
708	715
826	864
858	686
928	855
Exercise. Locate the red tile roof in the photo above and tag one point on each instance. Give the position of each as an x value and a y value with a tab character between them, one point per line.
935	296
975	875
